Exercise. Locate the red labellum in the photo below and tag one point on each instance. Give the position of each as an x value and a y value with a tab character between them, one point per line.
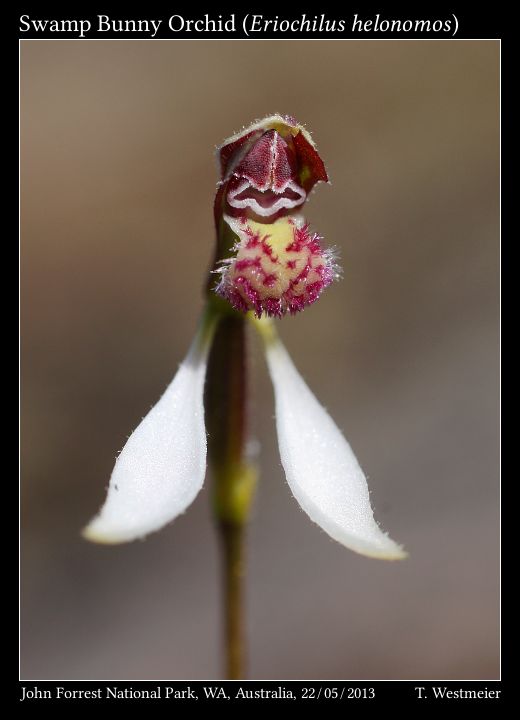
269	168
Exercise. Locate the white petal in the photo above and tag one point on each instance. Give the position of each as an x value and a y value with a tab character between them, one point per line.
162	466
320	467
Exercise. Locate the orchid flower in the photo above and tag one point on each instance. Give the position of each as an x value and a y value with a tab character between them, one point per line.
268	264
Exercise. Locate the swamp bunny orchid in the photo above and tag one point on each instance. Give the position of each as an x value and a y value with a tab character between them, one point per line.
268	263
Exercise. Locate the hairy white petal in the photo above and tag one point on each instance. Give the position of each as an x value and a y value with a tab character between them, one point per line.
320	467
162	466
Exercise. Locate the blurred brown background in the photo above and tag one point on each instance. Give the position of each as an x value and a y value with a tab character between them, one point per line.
118	178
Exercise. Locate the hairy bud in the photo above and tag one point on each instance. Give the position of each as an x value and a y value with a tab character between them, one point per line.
277	265
276	268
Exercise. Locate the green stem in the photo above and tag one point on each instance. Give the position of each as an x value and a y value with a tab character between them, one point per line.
232	537
234	477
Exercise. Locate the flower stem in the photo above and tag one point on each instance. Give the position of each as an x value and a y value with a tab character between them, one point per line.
234	476
232	536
